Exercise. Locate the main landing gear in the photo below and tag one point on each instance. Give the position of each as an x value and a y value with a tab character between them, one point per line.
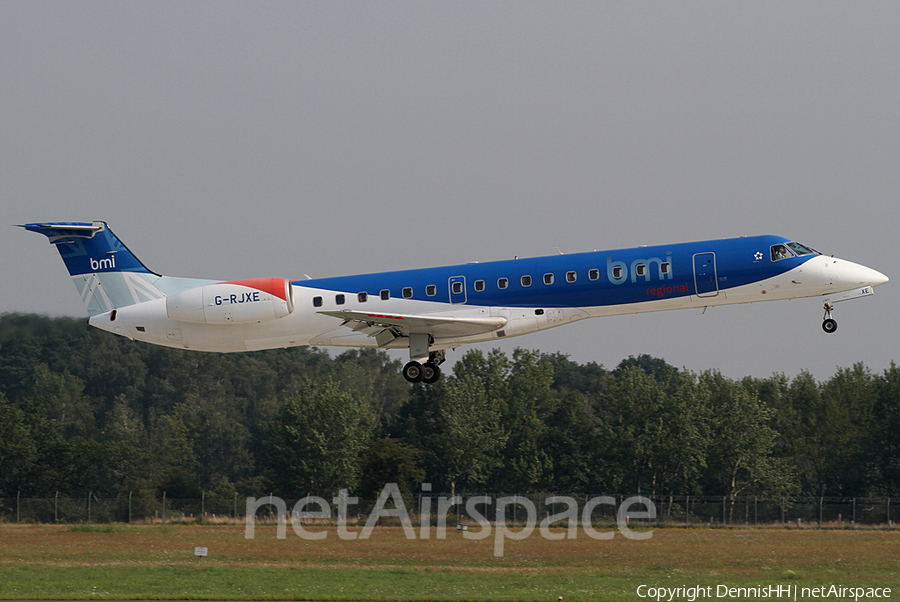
830	324
428	372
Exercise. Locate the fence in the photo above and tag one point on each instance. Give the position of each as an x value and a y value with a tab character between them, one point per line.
126	509
670	510
751	510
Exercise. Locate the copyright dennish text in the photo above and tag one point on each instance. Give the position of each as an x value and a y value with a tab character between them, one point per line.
784	592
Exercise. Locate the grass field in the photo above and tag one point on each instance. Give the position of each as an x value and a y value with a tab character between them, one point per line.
158	562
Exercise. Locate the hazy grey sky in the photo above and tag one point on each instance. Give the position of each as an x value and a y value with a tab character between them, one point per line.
234	140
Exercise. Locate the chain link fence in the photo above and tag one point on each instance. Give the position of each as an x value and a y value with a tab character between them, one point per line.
752	510
670	510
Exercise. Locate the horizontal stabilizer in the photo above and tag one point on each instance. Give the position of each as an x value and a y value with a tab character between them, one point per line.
89	248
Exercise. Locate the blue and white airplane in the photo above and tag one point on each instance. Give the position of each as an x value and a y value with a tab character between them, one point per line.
431	310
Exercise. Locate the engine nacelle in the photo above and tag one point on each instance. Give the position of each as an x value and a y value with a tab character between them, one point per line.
238	302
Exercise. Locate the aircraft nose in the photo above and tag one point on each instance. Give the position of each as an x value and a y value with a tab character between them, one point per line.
853	274
878	278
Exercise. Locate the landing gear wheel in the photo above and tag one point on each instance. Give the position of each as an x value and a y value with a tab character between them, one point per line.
413	372
431	373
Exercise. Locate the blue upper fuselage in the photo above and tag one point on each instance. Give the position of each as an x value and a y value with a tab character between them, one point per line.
591	279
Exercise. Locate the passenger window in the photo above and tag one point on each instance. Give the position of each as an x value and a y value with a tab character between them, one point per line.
664	267
479	285
594	274
548	278
641	269
317	301
780	252
339	299
526	280
617	271
457	288
385	295
363	297
502	283
407	292
571	276
431	290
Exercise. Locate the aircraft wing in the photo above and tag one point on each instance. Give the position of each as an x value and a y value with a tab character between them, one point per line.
375	324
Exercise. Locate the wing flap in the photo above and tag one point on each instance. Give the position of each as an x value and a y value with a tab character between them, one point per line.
406	324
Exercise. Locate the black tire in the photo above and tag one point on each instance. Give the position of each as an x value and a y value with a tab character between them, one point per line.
431	372
413	372
829	325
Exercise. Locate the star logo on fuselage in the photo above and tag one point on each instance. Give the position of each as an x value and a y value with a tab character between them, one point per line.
758	256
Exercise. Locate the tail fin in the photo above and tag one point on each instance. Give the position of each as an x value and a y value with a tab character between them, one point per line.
107	275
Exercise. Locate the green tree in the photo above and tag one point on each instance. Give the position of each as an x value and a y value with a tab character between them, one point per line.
777	393
61	397
27	340
884	447
178	484
843	427
588	379
687	447
389	461
172	445
580	442
661	429
467	436
654	367
492	371
18	451
372	374
742	459
124	425
810	425
318	440
217	438
527	462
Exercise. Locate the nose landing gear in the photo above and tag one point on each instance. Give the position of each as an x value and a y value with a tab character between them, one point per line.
829	324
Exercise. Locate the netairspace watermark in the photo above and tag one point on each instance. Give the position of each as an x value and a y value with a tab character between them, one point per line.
497	527
784	592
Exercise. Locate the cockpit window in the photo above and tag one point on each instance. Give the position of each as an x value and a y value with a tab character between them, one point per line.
801	249
780	252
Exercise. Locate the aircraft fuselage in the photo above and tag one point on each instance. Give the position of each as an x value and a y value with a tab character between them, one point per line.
433	309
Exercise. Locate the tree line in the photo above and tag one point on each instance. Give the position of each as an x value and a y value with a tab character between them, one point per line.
82	410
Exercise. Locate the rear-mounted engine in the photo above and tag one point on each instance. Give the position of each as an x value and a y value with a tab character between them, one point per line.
237	302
